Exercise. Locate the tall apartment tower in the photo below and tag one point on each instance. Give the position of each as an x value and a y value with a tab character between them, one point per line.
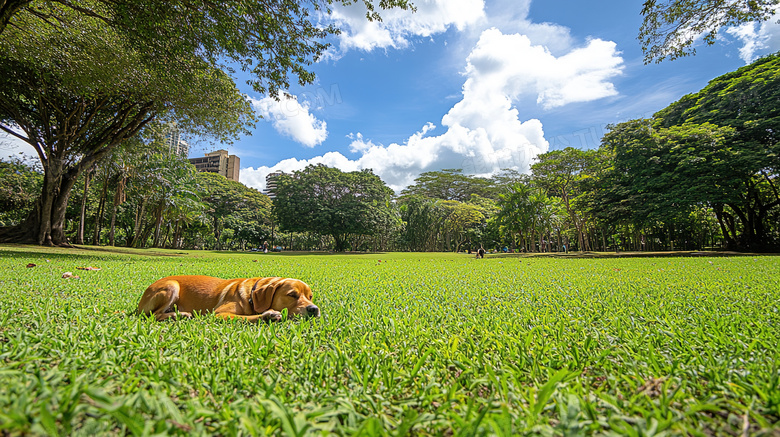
270	183
173	140
219	162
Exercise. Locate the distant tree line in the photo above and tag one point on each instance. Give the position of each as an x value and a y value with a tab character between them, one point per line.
701	174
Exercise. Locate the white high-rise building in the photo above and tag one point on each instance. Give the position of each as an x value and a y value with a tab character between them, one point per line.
270	183
174	142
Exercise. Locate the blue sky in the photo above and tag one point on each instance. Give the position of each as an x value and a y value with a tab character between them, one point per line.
475	84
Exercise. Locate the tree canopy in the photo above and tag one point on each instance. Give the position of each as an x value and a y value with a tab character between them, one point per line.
272	40
231	203
448	184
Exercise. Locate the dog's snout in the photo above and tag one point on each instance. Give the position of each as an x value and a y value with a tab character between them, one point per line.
313	310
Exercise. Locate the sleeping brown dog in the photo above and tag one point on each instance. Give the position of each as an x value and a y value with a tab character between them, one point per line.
250	299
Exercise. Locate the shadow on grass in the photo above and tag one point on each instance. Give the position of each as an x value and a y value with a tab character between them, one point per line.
312	252
31	251
20	250
603	255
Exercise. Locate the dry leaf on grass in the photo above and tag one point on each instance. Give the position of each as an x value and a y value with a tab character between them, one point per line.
653	387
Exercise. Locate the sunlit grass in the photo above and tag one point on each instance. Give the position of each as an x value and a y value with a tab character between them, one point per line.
427	344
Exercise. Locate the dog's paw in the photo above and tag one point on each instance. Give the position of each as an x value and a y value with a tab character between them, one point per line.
271	316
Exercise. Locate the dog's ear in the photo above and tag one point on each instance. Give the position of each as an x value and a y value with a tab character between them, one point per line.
263	293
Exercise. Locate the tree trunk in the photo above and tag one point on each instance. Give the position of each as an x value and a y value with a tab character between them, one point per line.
157	224
217	232
51	183
119	198
340	242
82	217
100	213
724	228
145	234
177	235
112	226
139	216
165	237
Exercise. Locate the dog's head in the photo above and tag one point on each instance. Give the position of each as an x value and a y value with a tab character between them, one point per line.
280	293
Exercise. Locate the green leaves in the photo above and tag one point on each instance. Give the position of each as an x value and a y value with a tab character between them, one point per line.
670	27
20	185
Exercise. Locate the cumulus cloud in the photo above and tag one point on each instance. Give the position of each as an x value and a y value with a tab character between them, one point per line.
358	144
757	38
292	118
511	66
484	132
397	26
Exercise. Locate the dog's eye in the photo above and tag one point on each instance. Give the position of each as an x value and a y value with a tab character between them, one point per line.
293	295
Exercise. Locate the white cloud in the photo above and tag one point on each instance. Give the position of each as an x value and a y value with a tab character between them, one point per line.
510	66
484	131
358	144
292	119
757	38
430	18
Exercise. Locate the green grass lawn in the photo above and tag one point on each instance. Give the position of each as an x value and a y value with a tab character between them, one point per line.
422	344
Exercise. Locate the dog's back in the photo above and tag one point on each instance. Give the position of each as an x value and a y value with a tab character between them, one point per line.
187	292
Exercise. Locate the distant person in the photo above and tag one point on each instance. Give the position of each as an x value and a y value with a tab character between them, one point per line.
480	252
265	247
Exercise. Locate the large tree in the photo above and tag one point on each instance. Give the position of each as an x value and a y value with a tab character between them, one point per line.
747	168
564	173
422	220
461	219
77	78
659	174
75	91
671	27
327	201
718	147
525	213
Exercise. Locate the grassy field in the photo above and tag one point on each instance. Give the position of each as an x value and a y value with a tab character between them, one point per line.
420	344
